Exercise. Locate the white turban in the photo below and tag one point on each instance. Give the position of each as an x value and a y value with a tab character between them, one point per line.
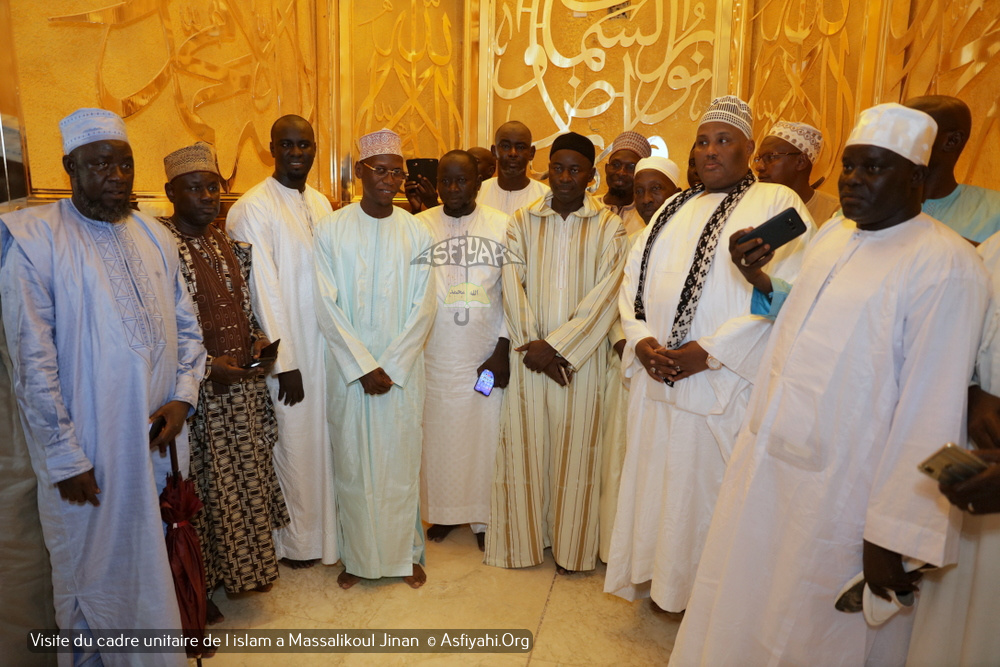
902	130
665	166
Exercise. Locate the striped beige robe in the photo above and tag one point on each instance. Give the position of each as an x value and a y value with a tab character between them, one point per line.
547	478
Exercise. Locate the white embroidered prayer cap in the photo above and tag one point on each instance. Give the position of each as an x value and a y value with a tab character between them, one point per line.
383	142
730	109
632	141
197	157
85	126
805	137
902	130
665	166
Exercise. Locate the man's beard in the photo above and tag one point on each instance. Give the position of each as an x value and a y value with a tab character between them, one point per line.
618	193
95	210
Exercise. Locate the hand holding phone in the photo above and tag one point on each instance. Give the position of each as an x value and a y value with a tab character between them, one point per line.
484	385
267	355
779	230
952	464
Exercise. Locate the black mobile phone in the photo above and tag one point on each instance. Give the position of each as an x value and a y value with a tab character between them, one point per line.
423	166
267	354
779	230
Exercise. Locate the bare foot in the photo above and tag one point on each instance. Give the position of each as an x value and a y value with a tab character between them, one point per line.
438	532
418	578
561	570
213	614
299	564
672	615
264	588
481	541
347	580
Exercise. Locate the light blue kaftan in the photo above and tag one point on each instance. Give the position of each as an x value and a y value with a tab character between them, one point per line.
375	309
101	332
972	211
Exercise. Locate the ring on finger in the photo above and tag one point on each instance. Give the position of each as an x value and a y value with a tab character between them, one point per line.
743	261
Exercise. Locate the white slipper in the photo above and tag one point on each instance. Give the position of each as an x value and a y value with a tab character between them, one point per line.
849	599
855	596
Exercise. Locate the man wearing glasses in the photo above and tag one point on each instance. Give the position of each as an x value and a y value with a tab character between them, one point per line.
786	157
278	217
376	307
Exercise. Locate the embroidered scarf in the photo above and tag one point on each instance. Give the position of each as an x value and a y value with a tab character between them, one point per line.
703	255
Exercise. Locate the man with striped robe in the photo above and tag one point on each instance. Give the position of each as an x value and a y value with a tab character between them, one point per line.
559	306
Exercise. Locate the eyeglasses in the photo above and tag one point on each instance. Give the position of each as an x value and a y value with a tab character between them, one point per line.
618	165
382	172
768	158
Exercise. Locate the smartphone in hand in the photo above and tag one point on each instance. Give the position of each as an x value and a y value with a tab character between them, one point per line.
485	383
779	230
267	355
952	464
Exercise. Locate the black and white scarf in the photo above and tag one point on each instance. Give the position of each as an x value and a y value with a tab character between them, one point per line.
703	255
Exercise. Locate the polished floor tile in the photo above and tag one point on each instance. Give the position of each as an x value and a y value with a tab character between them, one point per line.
573	621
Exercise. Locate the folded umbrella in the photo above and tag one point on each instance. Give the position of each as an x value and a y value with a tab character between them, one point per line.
178	505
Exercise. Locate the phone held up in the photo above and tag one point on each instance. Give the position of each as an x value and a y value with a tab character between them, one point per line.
422	166
779	230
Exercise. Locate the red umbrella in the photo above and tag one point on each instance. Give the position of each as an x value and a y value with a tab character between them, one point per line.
178	505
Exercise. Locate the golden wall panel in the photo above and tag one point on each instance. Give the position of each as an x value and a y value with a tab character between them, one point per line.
178	71
807	67
406	62
599	67
822	63
938	47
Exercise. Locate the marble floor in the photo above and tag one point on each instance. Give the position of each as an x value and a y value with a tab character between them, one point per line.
574	622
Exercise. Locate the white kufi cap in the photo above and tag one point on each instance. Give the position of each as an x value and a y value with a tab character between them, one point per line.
85	126
665	166
383	142
805	137
902	130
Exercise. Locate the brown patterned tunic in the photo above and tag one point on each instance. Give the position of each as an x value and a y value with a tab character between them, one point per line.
233	429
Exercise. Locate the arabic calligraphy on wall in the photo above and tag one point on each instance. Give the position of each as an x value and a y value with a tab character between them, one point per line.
408	77
599	67
178	71
939	47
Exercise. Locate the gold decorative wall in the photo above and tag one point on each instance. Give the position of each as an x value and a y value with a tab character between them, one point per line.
446	73
599	67
822	63
950	47
408	66
178	71
807	67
